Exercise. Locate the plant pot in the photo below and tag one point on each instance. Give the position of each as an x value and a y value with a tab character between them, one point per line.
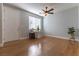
72	36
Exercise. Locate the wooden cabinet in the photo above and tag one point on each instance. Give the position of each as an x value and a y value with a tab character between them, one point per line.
32	36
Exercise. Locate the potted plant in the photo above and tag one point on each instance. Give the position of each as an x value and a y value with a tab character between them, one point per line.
38	28
71	32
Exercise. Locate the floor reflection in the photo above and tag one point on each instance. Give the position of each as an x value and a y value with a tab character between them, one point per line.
41	47
34	50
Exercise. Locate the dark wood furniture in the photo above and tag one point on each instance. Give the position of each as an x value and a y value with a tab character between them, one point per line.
32	35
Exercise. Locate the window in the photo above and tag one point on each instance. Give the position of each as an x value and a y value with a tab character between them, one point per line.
34	23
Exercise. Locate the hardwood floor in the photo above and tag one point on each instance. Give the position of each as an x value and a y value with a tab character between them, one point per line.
46	46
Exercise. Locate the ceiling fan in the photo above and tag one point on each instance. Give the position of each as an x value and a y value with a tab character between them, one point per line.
46	11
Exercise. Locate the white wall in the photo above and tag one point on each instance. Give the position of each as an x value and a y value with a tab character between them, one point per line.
58	23
0	23
16	23
11	23
78	23
23	28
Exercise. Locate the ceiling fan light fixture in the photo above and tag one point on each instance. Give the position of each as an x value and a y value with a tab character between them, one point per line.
47	11
46	14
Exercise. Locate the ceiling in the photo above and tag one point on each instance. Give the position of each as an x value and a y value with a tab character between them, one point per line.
37	7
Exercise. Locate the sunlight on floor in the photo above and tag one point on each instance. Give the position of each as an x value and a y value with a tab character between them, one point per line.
34	50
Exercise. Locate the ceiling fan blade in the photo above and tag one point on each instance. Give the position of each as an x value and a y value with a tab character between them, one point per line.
43	10
50	13
50	9
46	8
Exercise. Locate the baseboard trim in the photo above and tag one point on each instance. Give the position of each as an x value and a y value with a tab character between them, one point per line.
14	40
67	38
2	44
23	38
